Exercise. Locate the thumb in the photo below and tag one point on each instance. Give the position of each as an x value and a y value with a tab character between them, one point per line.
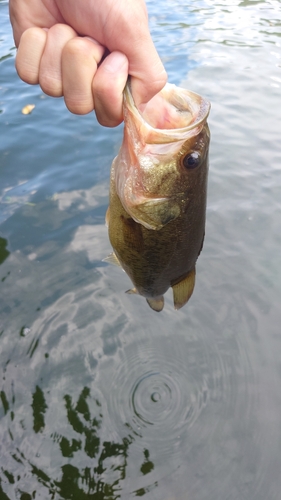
148	75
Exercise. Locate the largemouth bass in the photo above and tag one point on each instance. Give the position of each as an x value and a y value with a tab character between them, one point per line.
158	189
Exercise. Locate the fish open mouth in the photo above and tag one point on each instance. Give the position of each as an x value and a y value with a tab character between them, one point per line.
169	111
165	114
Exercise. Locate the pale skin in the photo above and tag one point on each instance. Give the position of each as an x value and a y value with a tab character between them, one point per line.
84	50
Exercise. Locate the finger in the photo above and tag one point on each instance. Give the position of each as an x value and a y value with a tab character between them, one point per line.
50	74
80	59
148	74
145	66
144	89
29	54
108	86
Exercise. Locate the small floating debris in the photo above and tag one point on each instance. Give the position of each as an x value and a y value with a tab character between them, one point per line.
24	331
26	110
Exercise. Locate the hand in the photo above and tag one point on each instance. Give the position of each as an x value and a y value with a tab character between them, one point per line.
84	50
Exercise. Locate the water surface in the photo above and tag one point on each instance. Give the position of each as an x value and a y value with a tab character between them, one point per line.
102	398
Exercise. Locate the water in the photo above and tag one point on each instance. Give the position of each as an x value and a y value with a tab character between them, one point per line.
102	398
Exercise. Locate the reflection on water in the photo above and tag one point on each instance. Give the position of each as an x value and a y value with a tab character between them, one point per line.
136	409
108	459
101	398
4	253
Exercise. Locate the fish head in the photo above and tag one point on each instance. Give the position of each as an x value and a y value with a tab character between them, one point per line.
164	155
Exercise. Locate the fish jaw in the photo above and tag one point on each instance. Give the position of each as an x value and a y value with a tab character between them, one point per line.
149	154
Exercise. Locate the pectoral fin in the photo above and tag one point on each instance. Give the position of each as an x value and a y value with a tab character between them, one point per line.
156	213
132	291
183	290
112	259
156	304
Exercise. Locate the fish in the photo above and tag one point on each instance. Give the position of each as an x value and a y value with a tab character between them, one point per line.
158	191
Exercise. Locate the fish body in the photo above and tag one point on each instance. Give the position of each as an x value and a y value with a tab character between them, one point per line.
158	189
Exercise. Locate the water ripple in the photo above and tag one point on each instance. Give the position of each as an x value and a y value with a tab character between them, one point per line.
159	398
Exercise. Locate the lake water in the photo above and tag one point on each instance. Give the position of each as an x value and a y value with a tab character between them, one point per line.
102	398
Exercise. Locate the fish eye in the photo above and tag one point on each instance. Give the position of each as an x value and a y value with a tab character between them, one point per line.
191	160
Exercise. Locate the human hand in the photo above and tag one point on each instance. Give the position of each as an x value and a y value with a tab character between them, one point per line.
84	50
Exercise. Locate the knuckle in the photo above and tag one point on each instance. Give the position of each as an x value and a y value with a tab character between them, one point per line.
62	31
50	86
79	105
107	121
29	54
83	49
33	35
75	46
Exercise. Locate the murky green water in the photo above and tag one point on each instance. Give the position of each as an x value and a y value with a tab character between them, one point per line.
101	398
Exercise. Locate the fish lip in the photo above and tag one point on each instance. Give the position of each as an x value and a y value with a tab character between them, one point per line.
173	134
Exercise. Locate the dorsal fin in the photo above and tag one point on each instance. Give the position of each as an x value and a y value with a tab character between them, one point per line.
112	259
156	304
183	290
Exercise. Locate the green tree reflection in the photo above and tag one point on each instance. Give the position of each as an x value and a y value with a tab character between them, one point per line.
106	462
147	465
4	253
39	408
89	483
92	441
